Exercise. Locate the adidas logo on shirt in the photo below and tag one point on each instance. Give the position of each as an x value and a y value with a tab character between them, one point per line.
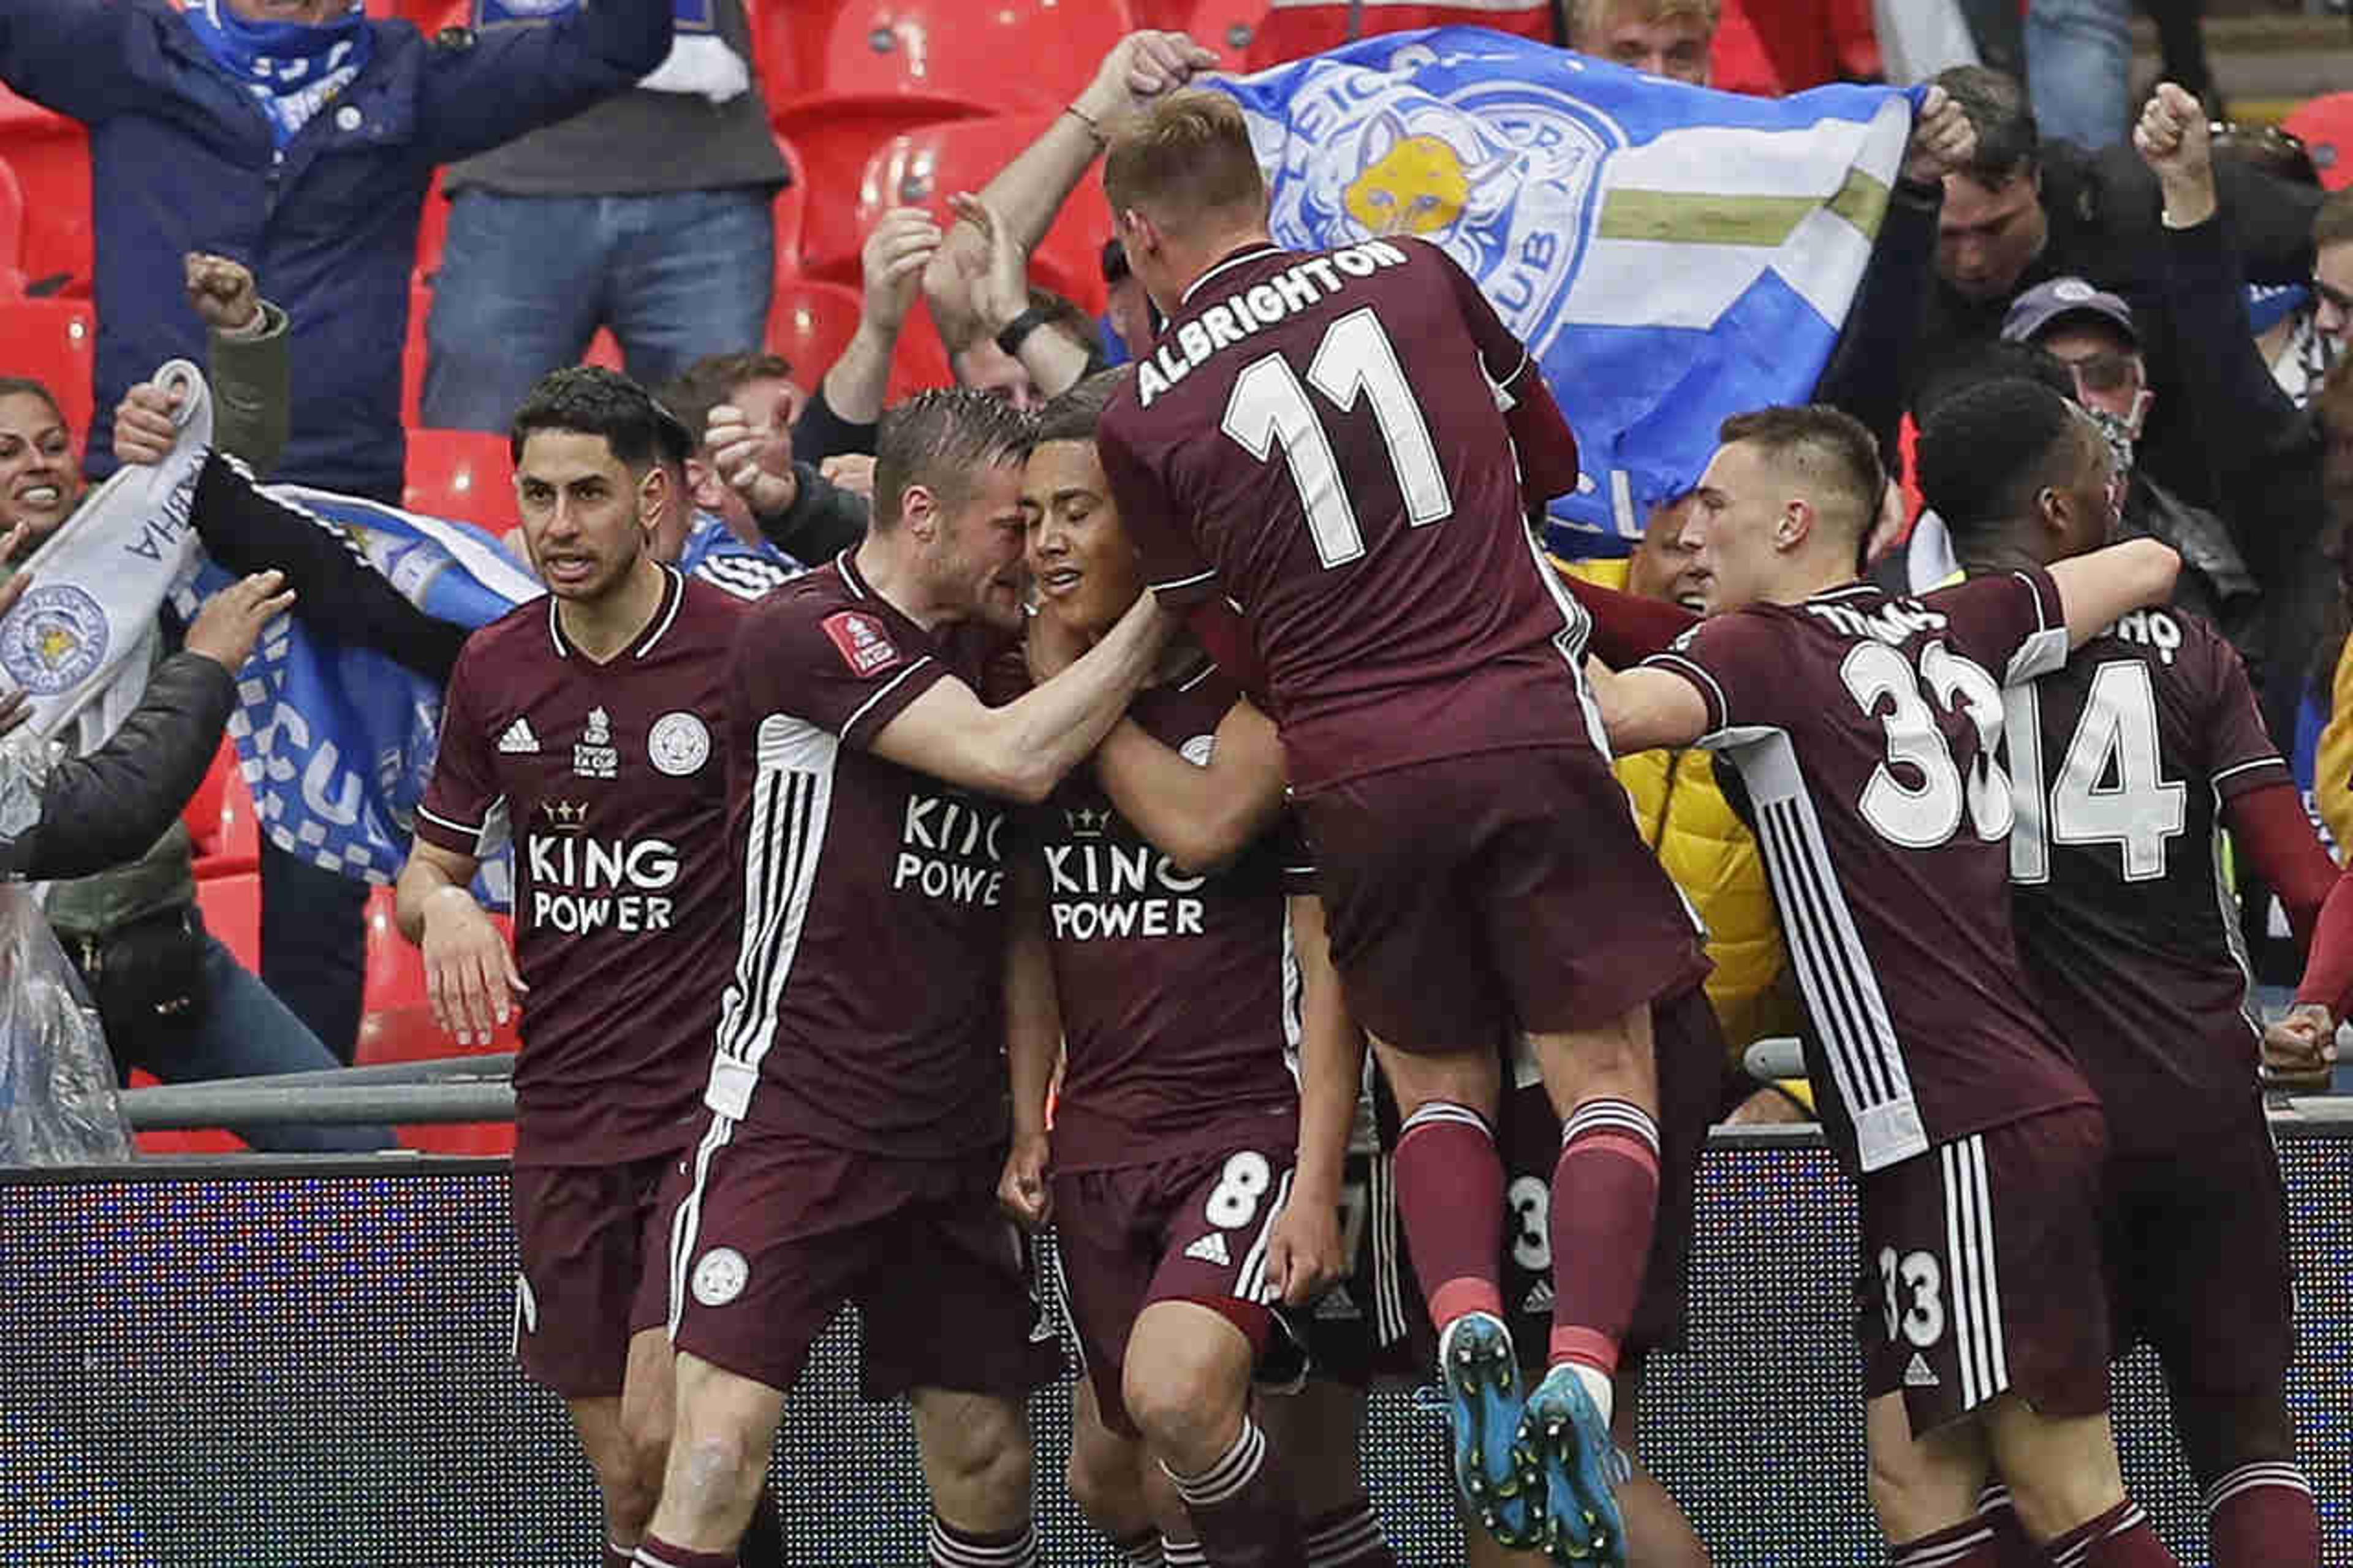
1211	1248
518	741
1919	1374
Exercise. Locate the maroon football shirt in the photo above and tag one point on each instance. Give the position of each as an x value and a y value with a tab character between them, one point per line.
612	781
2121	762
1180	993
1346	444
1865	729
867	1010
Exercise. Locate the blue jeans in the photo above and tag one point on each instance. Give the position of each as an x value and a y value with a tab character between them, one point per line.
525	281
2079	69
246	1031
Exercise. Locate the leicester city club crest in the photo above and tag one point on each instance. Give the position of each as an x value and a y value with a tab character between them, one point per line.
1501	176
54	640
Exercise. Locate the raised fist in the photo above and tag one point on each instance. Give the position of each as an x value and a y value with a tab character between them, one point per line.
221	292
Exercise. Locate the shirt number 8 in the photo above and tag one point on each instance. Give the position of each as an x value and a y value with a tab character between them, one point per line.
1233	1202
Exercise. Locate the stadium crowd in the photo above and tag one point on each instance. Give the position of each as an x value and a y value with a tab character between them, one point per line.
945	792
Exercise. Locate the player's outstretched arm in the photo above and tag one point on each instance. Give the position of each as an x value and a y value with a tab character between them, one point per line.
2096	588
1033	1047
1027	192
470	971
1200	817
1306	1253
1645	708
1021	750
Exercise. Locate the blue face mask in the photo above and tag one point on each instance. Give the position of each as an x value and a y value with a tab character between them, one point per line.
293	68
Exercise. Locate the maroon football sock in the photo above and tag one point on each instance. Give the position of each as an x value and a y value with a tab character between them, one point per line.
2119	1538
655	1552
2262	1516
1448	1174
1966	1545
1604	1201
1241	1506
2011	1549
953	1548
1348	1536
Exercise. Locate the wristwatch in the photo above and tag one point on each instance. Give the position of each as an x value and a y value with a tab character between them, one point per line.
1021	327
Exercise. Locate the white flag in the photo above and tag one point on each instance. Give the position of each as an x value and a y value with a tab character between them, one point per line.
82	639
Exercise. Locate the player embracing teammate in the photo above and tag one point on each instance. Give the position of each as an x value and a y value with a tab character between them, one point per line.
1346	446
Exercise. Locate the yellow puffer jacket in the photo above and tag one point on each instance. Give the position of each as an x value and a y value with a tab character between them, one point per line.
2332	769
1712	857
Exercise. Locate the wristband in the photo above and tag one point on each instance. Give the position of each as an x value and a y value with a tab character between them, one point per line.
1021	327
1094	126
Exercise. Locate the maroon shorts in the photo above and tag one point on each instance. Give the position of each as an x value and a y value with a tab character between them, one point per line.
1501	892
1981	1272
2197	1253
1190	1227
776	1233
1689	1049
595	1245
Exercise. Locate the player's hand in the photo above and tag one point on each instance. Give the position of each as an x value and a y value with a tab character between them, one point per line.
470	971
852	471
144	431
758	464
892	260
1139	69
997	278
221	292
1021	1191
2175	141
230	623
1052	646
1304	1254
2300	1050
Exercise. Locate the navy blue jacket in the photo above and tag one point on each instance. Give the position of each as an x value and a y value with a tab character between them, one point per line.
182	159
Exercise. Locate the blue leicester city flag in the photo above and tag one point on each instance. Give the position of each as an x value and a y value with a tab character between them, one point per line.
1671	255
337	743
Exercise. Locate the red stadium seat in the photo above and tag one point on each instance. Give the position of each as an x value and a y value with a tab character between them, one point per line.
461	474
52	156
222	821
922	167
811	320
232	911
604	349
1229	26
11	231
792	211
836	137
55	342
810	323
1009	53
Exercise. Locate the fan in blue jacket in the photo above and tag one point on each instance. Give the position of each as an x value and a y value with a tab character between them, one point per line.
299	137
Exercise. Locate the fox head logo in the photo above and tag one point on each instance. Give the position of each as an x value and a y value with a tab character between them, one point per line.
1418	183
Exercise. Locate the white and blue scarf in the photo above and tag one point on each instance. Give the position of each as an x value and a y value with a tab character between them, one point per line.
699	61
293	68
